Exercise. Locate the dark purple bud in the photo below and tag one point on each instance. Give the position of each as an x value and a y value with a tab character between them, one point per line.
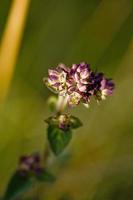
38	171
29	163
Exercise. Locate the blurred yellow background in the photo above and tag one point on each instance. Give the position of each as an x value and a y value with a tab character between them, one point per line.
98	164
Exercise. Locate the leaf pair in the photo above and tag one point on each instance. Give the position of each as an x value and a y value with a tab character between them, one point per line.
19	184
59	137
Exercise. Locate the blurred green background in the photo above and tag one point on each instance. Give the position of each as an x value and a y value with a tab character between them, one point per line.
98	164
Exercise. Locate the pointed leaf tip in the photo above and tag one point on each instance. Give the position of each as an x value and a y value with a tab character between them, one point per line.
75	122
58	138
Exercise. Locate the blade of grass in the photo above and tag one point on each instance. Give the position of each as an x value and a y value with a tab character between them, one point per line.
10	43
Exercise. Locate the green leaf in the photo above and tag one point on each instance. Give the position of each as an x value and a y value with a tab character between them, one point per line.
52	120
17	186
58	138
75	122
46	176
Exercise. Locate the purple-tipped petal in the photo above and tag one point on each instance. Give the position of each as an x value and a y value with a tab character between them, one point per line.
103	84
76	77
81	87
84	74
62	67
52	72
74	67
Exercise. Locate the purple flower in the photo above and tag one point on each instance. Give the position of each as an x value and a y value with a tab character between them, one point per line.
57	79
79	83
80	74
29	163
106	88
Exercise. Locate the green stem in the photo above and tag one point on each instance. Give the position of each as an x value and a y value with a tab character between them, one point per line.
61	104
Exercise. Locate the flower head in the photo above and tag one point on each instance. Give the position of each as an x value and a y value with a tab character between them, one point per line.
79	83
57	79
106	88
30	163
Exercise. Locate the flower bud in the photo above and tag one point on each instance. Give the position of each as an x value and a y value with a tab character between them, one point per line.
63	121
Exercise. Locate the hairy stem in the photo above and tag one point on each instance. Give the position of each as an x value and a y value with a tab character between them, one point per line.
61	104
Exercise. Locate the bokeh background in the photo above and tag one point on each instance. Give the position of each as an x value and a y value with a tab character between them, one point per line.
98	164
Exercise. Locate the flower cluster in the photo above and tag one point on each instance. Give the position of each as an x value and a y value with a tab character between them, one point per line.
79	83
30	164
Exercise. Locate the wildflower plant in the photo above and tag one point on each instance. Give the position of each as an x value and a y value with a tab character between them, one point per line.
29	171
74	85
